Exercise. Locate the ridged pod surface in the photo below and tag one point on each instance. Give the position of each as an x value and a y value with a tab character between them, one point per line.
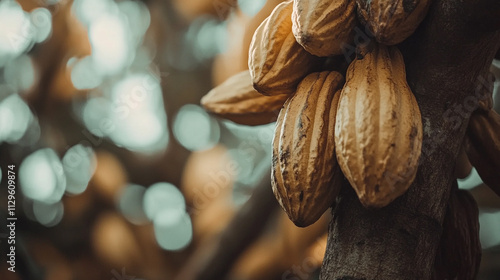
483	146
392	21
323	26
378	134
238	101
459	252
305	175
276	61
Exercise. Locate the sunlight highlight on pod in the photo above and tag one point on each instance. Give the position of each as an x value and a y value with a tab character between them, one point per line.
15	31
162	196
195	129
15	117
489	229
173	229
48	214
19	73
130	203
138	114
41	176
79	164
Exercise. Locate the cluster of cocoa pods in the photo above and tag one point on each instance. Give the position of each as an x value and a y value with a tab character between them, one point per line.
362	124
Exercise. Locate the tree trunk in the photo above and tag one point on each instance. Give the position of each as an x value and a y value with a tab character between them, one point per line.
447	62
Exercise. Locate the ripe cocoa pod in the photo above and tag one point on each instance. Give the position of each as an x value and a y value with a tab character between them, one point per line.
238	101
276	61
305	175
323	26
483	146
392	21
378	134
252	25
459	252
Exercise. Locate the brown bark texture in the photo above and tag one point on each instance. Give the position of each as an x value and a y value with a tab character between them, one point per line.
447	62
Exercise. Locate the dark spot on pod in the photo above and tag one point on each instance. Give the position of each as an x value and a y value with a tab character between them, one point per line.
284	156
377	188
413	133
301	196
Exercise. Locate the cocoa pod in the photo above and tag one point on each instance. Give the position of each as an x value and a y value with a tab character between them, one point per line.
276	61
483	146
463	167
238	101
305	175
378	134
323	26
459	251
252	25
392	21
240	30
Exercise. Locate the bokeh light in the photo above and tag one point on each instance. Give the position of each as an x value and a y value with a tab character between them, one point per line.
173	229
41	176
95	116
15	117
15	31
130	203
41	20
472	181
48	214
162	196
84	74
251	7
489	229
110	44
138	114
89	10
19	73
195	129
79	164
138	18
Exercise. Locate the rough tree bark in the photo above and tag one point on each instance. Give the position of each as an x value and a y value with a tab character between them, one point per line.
447	59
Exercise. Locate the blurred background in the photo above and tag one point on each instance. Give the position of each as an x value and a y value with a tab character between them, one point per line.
121	174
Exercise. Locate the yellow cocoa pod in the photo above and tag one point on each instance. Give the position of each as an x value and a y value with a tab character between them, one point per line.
323	26
392	21
305	175
483	146
276	61
238	101
378	134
